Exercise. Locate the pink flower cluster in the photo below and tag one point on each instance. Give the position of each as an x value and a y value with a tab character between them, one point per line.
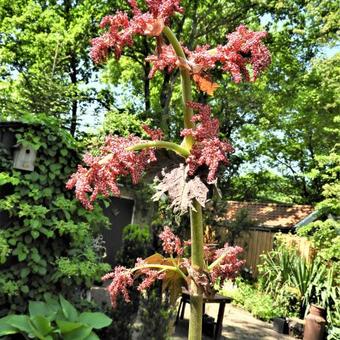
102	172
170	242
208	149
229	265
154	134
166	58
150	275
121	279
244	48
122	29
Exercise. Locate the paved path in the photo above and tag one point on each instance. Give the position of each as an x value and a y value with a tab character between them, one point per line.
237	325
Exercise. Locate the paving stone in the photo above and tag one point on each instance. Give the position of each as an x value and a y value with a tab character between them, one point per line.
237	325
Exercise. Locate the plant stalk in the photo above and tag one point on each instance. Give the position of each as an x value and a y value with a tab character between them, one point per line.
161	144
196	221
186	85
197	261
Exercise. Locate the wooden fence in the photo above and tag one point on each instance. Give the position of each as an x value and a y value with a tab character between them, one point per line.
255	243
258	242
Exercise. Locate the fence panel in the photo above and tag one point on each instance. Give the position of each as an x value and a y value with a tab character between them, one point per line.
257	242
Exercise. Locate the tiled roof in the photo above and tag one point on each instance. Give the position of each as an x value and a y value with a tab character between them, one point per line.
271	215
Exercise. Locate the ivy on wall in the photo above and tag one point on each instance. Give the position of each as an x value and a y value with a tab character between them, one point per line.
47	238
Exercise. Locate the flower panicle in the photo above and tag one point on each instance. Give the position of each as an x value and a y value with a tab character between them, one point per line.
121	29
101	173
170	242
244	48
208	150
122	279
221	264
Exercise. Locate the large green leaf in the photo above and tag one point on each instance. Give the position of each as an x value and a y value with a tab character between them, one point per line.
92	336
67	326
41	324
38	308
96	320
68	310
79	334
5	328
20	322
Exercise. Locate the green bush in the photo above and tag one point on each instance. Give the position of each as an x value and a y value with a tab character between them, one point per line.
259	304
47	245
155	316
136	243
54	319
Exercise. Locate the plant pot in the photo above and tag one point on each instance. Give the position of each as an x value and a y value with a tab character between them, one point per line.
295	328
315	324
208	325
280	325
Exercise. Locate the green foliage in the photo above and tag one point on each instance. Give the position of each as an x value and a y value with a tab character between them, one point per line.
156	315
263	186
136	243
324	234
287	277
47	245
45	66
123	124
4	248
260	304
54	319
325	237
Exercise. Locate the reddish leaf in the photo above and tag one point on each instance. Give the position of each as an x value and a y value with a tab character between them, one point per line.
182	191
205	84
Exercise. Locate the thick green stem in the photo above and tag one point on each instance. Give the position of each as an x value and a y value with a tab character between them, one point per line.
197	261
186	85
161	144
196	222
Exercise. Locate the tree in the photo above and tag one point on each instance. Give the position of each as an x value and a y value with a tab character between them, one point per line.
44	57
299	125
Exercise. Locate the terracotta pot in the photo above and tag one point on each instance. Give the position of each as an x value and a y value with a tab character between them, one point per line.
315	323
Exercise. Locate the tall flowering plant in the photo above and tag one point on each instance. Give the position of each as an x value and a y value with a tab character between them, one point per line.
244	57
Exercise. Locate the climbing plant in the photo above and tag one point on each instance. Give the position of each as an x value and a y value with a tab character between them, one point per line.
46	245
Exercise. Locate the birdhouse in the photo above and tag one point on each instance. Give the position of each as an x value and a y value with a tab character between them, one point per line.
24	158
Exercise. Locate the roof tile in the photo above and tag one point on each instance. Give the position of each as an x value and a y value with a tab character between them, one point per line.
271	215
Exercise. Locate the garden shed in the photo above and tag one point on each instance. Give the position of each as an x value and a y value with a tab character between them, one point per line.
270	219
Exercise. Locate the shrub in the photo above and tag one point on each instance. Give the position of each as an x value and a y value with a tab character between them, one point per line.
261	305
284	274
155	316
136	243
